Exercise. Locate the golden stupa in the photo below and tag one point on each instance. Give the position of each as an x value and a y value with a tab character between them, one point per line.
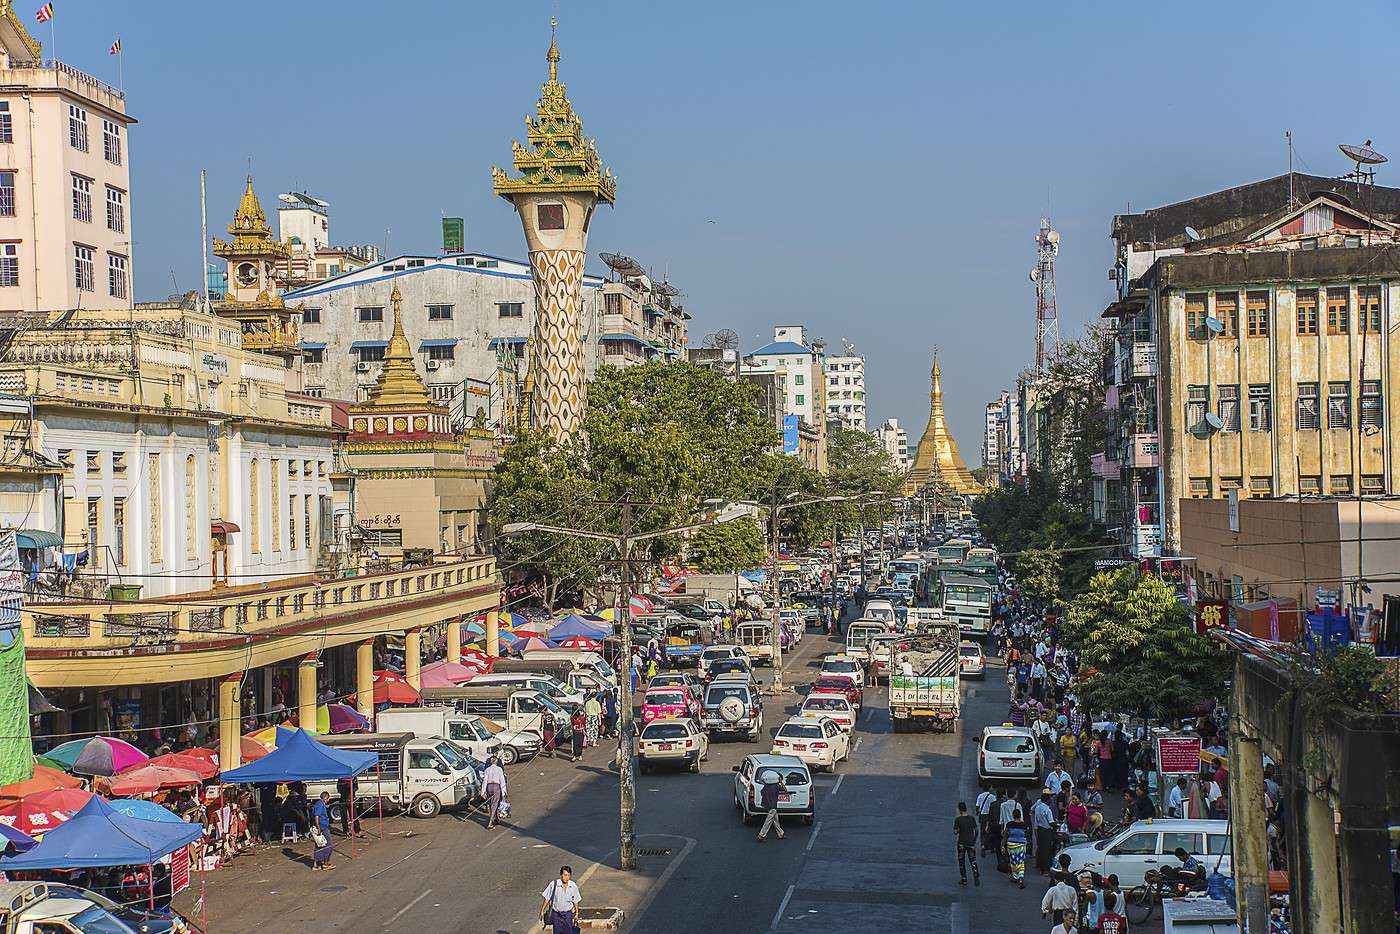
937	458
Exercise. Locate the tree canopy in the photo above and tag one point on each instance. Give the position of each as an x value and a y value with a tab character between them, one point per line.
733	546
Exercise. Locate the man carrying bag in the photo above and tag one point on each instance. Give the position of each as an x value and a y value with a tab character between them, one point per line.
560	904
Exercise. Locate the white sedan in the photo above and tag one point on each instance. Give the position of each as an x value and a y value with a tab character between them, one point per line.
817	741
837	707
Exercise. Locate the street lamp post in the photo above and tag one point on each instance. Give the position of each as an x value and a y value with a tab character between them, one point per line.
626	759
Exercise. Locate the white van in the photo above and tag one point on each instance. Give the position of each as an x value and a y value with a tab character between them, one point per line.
582	659
1143	846
880	610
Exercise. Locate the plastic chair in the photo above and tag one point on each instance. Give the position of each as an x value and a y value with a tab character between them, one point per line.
289	833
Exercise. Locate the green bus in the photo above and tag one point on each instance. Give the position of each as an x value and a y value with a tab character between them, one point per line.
968	600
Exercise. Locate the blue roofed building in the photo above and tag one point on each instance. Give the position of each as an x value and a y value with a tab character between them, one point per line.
801	368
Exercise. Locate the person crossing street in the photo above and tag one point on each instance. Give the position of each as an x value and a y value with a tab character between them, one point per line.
965	837
768	798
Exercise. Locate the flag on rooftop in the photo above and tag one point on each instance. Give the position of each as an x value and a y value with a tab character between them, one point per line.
116	47
45	13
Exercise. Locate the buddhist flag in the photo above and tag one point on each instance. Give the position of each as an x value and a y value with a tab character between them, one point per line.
116	48
45	13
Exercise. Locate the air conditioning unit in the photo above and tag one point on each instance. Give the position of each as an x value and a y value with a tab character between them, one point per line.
362	367
434	364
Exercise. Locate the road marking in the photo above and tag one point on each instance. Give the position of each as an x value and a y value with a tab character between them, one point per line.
782	907
837	787
571	781
813	838
665	876
859	740
404	910
494	839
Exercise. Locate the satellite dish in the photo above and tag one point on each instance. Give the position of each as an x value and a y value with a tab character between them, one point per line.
1053	237
723	339
667	289
621	264
1035	274
1214	325
1363	154
288	199
1192	234
1213	421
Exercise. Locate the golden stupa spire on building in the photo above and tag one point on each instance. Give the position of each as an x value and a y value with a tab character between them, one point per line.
399	384
937	458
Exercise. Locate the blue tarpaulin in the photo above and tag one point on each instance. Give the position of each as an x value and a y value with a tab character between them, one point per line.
99	836
299	758
575	625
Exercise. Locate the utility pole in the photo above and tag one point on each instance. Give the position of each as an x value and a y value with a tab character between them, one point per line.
626	748
774	625
834	617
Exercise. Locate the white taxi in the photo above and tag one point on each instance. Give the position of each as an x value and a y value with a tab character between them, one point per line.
1008	752
674	740
835	706
754	772
817	741
972	663
844	665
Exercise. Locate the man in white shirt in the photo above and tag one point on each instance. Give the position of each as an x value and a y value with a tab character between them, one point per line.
561	900
1176	798
1056	777
494	778
1060	897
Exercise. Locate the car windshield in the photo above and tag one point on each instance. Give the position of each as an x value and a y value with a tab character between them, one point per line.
1008	744
728	664
717	653
664	698
722	692
969	650
664	731
793	778
468	730
97	920
548	704
831	684
826	702
803	730
840	666
666	681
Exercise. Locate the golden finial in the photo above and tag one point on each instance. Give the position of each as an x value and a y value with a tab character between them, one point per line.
553	55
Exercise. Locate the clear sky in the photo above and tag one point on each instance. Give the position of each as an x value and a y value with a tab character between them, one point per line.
875	171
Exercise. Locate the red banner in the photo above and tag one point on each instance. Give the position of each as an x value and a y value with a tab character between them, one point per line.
1179	755
1211	614
180	869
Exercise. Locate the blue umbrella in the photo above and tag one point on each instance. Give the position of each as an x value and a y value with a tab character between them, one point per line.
145	810
16	841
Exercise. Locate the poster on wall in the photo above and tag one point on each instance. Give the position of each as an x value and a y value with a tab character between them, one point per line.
1178	755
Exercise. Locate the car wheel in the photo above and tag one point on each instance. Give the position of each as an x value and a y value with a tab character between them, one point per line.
509	755
695	765
426	806
808	818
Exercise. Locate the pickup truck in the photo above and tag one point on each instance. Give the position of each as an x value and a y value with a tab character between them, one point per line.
466	731
520	710
685	641
563	670
928	698
421	776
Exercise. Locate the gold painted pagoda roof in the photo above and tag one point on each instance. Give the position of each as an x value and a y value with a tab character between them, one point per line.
937	458
399	386
559	158
251	235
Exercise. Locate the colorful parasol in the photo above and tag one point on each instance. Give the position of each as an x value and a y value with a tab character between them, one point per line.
147	778
533	644
581	642
14	841
393	691
202	762
37	813
46	778
250	749
100	755
444	674
339	718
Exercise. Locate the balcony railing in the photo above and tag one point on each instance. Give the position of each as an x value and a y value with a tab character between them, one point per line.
216	615
77	77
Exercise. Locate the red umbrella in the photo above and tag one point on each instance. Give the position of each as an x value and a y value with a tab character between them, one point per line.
394	691
385	675
581	642
202	762
148	778
249	749
38	813
45	779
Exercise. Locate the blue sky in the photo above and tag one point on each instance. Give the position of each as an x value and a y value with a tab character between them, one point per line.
875	171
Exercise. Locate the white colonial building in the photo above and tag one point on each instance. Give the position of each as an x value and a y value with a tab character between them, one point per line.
845	390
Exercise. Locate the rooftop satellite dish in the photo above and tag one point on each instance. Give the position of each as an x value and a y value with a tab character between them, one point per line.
1214	325
1053	236
1213	421
723	339
1192	234
1363	154
666	288
288	199
621	264
1035	274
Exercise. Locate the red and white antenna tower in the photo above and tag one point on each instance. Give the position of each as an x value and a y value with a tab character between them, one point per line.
1047	324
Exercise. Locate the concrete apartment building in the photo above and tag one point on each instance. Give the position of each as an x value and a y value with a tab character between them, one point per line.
845	390
895	439
65	191
802	371
1253	351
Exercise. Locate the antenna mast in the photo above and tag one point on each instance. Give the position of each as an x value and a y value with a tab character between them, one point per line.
1047	324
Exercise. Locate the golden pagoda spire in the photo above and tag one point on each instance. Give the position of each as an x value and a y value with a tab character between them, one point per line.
937	458
399	383
553	56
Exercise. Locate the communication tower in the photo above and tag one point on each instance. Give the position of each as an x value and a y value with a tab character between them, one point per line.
1047	325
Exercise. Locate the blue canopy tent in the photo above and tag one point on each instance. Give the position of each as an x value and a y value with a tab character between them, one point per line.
16	840
299	758
144	810
575	625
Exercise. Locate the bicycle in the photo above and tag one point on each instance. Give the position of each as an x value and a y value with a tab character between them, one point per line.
1142	900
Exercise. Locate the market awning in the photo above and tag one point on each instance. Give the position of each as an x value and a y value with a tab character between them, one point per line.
356	345
623	337
506	341
223	527
445	342
307	345
37	538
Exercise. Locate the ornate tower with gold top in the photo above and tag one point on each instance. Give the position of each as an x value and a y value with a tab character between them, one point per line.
937	459
561	181
268	325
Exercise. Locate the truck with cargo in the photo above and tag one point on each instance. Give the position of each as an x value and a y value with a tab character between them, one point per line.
576	669
929	698
421	776
466	731
685	641
757	641
515	708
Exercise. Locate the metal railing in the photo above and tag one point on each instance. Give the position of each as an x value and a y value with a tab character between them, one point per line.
63	68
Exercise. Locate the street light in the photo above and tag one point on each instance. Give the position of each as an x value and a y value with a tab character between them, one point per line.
623	541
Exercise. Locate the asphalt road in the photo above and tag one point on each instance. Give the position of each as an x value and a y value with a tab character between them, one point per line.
879	857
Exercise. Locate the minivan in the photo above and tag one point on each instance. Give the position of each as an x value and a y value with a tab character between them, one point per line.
1150	845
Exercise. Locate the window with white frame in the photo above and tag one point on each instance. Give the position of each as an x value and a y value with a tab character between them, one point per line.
116	275
7	194
82	199
1372	407
112	142
1309	418
116	209
77	128
1260	407
441	352
439	312
1339	404
83	275
7	128
9	264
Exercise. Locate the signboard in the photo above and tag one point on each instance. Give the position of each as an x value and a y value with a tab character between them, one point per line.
454	235
1112	564
1178	755
214	363
1211	614
789	434
1328	599
180	870
1232	507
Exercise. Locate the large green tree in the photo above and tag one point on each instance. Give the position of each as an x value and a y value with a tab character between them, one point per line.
1138	648
733	546
1027	523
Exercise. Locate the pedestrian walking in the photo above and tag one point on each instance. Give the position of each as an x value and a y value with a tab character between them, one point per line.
610	714
593	714
494	779
985	802
1059	899
1066	925
1111	922
1043	822
321	832
579	725
560	903
773	788
1015	833
965	837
